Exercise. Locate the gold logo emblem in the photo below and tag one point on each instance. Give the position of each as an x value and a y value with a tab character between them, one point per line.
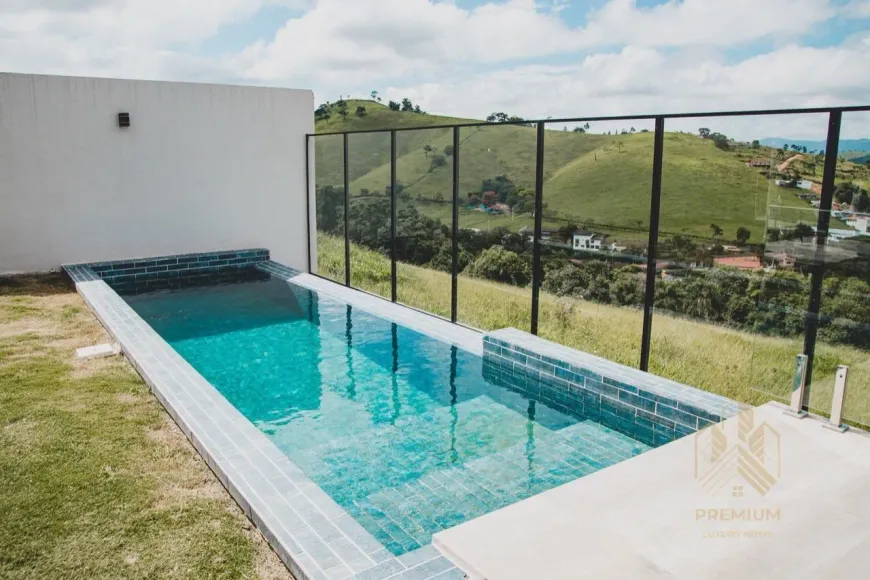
739	453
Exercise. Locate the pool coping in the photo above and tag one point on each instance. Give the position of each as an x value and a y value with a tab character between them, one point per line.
427	324
314	536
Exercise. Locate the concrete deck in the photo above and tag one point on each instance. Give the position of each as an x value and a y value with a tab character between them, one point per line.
769	497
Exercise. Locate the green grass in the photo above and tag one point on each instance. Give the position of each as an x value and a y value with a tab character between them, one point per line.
746	367
604	179
95	479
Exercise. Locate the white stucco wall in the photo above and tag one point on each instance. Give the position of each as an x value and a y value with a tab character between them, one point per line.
202	167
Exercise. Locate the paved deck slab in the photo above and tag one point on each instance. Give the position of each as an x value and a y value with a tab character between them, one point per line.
652	516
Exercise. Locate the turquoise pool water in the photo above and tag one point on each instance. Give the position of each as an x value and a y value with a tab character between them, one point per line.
401	430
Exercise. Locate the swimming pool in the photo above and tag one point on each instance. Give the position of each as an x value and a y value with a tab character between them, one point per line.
401	430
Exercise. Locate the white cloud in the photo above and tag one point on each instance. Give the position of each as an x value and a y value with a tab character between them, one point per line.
111	37
857	9
702	22
624	59
644	80
341	41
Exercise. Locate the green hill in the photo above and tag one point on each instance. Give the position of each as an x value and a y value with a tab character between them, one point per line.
601	181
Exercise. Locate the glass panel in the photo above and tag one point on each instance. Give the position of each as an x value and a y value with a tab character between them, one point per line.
844	327
329	198
369	225
424	183
735	251
598	182
496	224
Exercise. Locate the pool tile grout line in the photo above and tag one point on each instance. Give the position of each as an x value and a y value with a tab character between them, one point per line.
260	478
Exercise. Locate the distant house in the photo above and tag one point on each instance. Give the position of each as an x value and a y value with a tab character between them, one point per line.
588	241
546	235
739	262
800	183
501	207
758	163
617	247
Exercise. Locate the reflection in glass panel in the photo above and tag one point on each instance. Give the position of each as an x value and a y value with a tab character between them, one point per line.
369	224
844	325
597	189
496	225
735	250
329	198
424	186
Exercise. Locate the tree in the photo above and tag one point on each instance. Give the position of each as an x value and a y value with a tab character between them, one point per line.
566	232
448	151
502	185
861	203
341	105
473	199
417	109
427	149
438	161
501	265
360	112
631	130
704	132
756	144
579	130
322	112
374	95
490	198
801	231
394	106
743	235
845	192
715	230
720	141
407	105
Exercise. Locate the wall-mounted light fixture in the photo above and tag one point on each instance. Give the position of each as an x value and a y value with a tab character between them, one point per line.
123	119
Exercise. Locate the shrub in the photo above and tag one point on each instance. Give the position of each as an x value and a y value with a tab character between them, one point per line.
501	265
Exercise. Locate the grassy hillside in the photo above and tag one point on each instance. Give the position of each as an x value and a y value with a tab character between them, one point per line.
605	179
740	365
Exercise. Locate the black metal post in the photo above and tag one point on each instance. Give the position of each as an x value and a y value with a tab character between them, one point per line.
536	242
454	269
308	198
346	218
393	270
654	210
811	326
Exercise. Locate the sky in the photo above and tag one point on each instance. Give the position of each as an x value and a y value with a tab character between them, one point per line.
536	59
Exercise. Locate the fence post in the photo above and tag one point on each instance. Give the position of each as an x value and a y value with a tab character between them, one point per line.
346	218
454	269
652	244
536	242
811	327
393	268
308	196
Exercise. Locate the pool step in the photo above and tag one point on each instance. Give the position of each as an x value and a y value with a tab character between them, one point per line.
406	516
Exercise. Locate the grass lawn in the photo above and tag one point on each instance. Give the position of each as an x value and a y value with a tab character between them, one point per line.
96	481
746	367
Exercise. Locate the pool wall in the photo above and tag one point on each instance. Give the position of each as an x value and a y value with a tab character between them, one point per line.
164	272
647	407
314	536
